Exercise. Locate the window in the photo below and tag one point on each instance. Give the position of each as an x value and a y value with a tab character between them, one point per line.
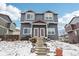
48	16
29	16
26	31
51	31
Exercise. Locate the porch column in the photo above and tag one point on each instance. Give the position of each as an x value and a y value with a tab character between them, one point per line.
31	29
47	29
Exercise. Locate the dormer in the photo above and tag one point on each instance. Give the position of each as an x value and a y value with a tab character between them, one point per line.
48	15
29	15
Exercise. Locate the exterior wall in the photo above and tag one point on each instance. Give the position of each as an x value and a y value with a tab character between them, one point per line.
55	18
10	32
73	30
22	26
68	28
12	26
72	33
16	32
40	16
3	22
78	34
73	37
55	36
22	16
3	26
3	31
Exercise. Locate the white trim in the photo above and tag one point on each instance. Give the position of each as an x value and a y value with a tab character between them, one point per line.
75	32
31	28
37	30
33	16
47	29
52	29
26	33
48	15
26	21
52	22
40	32
7	31
3	27
39	24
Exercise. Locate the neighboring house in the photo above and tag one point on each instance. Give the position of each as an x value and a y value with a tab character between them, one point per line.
39	24
64	38
16	32
73	30
6	25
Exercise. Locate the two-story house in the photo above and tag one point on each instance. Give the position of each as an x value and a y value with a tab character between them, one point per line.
39	24
73	30
7	27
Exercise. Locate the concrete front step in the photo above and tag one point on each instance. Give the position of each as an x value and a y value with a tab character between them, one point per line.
41	51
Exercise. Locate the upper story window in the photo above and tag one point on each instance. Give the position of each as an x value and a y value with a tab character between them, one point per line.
30	16
48	16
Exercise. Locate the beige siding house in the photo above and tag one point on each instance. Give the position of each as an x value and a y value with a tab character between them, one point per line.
7	27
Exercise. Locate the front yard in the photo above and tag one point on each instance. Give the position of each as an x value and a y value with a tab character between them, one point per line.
23	48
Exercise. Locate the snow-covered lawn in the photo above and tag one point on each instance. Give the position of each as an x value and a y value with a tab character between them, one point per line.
17	48
68	49
23	48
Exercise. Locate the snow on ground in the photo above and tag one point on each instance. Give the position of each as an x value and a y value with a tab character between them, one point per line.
68	49
23	48
17	48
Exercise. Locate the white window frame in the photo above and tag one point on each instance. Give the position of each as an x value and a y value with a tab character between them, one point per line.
53	30
48	16
33	16
29	16
26	33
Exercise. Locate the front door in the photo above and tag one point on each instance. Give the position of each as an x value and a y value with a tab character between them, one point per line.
39	32
36	32
42	32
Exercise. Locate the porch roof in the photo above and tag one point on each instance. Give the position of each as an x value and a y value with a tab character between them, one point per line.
39	21
39	24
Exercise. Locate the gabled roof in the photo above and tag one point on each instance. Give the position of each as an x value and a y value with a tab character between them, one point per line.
30	11
6	17
50	12
75	19
38	13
